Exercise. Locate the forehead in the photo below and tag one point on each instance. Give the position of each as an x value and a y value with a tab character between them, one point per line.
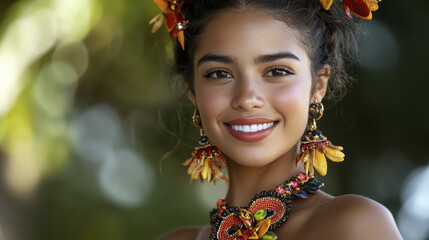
248	33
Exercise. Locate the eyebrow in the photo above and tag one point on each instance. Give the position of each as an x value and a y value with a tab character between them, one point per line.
276	56
260	59
214	58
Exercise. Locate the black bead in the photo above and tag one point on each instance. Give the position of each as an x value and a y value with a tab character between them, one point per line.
233	229
269	213
301	194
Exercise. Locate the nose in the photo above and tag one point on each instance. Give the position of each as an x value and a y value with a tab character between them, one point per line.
247	95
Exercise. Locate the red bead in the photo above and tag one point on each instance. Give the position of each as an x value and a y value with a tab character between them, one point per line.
302	177
281	190
220	202
221	211
294	184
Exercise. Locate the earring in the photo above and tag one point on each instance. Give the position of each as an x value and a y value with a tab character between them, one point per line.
315	146
206	160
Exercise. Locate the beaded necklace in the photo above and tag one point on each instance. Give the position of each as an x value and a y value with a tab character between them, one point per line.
265	213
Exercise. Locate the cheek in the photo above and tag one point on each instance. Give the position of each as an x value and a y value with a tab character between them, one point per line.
211	102
292	102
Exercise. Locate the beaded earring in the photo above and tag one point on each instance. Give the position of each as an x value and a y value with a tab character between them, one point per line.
315	146
206	160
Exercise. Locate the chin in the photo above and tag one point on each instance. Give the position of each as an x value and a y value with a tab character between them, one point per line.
254	159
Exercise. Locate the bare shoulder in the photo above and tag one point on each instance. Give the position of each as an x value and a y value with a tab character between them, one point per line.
356	217
189	233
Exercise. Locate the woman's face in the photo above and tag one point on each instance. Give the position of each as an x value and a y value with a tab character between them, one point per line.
252	86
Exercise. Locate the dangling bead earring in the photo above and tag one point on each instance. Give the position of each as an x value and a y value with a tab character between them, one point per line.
315	146
206	160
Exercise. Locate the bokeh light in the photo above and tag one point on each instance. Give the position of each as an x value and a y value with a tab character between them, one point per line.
413	217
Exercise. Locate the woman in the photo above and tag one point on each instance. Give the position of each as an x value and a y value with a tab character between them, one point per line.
254	70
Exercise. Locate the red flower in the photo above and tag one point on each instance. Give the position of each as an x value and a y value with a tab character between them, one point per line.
174	21
361	8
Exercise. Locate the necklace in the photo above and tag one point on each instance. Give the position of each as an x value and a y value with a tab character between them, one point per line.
265	213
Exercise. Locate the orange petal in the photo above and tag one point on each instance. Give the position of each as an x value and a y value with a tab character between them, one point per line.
263	227
221	160
299	158
335	147
221	176
217	173
213	166
181	38
197	170
163	5
326	4
192	167
194	163
187	162
306	161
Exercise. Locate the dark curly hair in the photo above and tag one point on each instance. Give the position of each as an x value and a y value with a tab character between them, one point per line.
327	36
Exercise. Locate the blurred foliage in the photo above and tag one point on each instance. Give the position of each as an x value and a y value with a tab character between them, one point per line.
89	107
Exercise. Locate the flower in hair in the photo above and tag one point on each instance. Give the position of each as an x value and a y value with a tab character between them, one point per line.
361	8
172	16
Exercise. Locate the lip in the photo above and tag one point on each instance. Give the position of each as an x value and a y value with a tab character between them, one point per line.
249	121
250	136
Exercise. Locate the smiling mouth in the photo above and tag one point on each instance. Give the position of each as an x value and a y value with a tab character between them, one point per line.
252	128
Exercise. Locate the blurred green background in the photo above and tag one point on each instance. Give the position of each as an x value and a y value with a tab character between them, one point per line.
89	107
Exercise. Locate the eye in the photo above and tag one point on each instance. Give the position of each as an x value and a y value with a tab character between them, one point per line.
218	74
278	72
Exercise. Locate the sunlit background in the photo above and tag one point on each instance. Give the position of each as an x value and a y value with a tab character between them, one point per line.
89	107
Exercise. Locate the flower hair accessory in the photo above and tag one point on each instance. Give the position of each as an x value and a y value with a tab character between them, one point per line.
361	8
172	16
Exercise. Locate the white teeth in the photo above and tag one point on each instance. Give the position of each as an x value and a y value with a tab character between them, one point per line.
246	128
252	128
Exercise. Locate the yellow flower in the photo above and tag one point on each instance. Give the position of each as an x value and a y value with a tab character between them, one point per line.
205	163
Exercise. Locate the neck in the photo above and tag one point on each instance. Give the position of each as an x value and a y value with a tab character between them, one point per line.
245	182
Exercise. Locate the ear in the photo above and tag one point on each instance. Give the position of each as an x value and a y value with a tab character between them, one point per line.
191	95
321	84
